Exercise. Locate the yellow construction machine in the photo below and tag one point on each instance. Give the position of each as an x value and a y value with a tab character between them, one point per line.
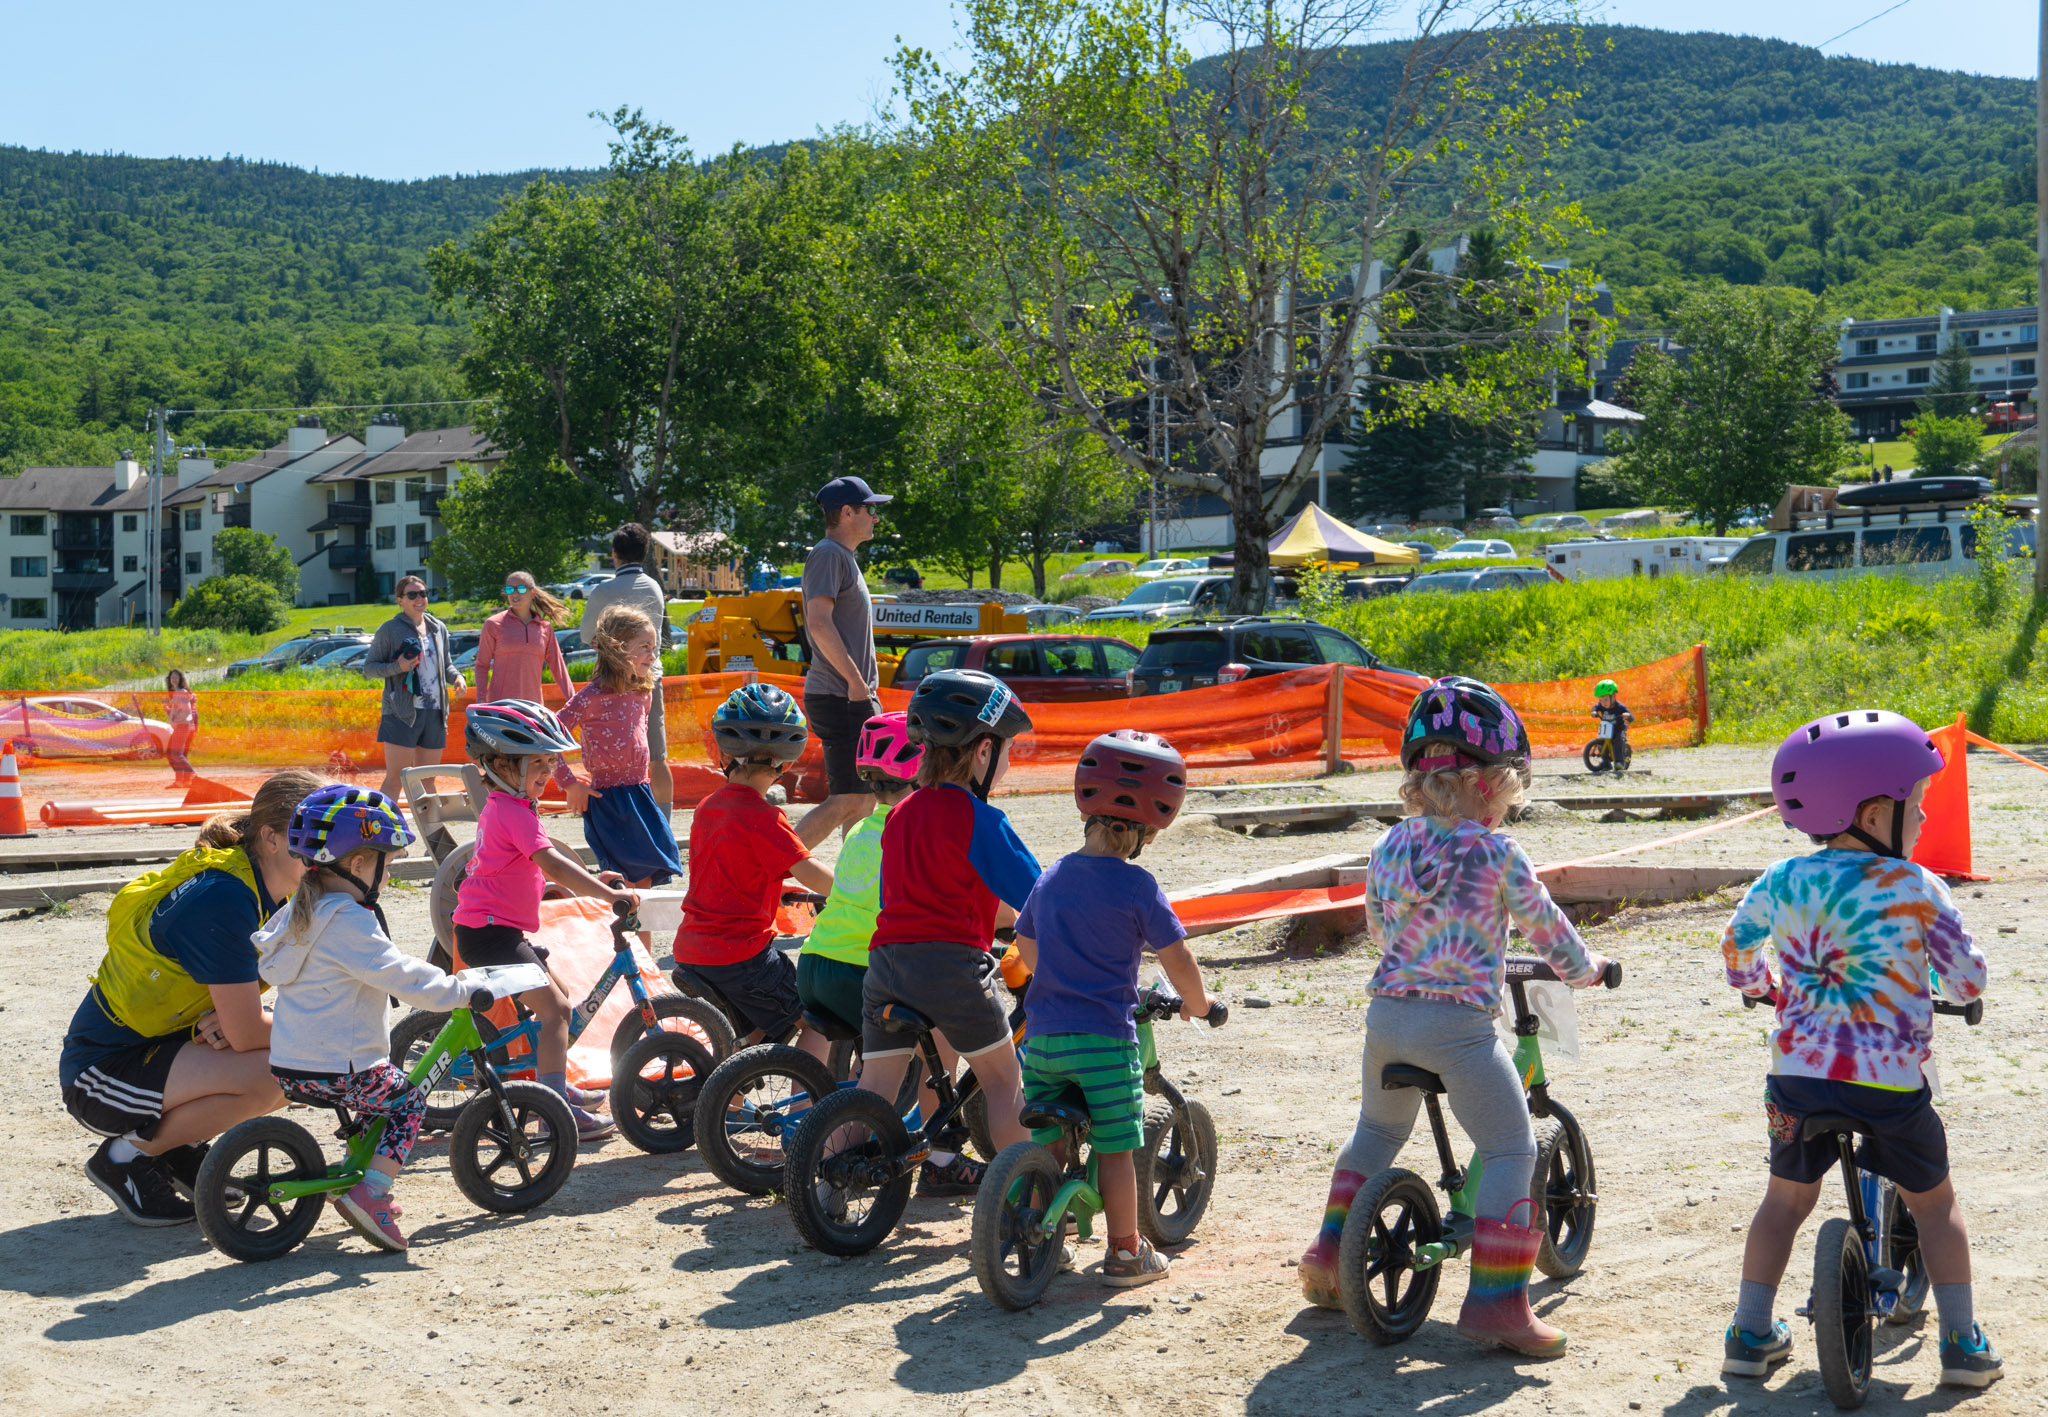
763	630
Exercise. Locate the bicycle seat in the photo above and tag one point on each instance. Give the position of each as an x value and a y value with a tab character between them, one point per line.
697	986
1827	1124
831	1025
901	1018
1395	1076
1069	1109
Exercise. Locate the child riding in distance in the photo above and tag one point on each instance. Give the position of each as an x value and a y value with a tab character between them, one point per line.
1608	708
1441	892
1083	932
626	828
329	956
949	860
1857	929
517	743
741	851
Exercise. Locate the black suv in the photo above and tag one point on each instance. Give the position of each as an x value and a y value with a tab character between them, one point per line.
1194	654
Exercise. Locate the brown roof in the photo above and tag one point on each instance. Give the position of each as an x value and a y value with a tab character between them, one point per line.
69	489
248	470
426	451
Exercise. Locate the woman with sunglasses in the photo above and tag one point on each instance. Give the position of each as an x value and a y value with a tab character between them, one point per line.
519	642
409	653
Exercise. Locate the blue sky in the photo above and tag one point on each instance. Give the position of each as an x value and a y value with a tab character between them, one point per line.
390	90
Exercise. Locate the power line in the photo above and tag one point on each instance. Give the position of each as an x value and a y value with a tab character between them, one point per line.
330	407
1861	23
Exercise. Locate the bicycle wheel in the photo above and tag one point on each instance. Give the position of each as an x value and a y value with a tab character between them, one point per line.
1561	1186
410	1040
654	1091
1596	756
677	1013
487	1161
232	1191
1176	1172
1842	1331
845	1190
1903	1254
1016	1241
1385	1295
749	1107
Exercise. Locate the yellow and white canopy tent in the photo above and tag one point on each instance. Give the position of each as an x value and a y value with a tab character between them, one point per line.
1316	536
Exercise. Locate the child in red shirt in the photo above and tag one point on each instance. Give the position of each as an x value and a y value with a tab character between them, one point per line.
741	851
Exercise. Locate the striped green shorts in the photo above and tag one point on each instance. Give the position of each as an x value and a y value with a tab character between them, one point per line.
1107	1072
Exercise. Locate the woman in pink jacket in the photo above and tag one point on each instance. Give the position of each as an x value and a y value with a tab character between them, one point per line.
519	642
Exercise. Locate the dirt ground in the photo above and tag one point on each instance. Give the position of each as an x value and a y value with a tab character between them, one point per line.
645	1282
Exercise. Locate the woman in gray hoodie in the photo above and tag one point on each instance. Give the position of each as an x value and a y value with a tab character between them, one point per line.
333	964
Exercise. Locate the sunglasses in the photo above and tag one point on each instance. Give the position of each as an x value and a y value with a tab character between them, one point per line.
414	595
517	589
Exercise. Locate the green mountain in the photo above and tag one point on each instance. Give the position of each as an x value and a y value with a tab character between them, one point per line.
1701	157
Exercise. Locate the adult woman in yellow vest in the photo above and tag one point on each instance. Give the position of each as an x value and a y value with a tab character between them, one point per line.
171	1045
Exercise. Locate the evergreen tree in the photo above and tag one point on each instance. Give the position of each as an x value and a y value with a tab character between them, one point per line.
1952	392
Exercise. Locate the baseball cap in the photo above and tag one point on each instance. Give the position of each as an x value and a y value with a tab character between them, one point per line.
849	492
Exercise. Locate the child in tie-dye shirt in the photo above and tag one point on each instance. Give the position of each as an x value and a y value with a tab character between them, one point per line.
1857	929
1441	892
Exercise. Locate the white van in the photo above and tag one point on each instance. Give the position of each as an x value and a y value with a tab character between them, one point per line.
1650	556
1918	545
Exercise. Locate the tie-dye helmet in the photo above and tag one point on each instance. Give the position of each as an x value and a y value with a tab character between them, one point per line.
334	821
1458	722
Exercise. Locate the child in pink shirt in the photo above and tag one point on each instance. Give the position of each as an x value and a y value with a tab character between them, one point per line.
627	829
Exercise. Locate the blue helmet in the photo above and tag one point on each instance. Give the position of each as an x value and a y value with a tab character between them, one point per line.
331	823
760	720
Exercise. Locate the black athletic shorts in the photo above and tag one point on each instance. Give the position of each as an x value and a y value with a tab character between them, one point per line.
124	1092
762	990
479	946
837	723
1908	1142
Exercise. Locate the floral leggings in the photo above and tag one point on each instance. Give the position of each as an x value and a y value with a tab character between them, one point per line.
379	1091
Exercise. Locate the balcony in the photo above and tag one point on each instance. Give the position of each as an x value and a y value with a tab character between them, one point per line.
430	501
341	514
78	538
347	557
90	582
235	514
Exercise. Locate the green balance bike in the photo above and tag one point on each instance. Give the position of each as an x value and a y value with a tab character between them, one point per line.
261	1188
1027	1196
1396	1241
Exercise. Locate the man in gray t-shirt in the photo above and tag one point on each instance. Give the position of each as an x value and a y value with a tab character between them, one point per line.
839	690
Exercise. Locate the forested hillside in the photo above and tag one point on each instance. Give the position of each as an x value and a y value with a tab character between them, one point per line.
1702	157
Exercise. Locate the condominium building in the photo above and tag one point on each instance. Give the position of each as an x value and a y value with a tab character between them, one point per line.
1886	366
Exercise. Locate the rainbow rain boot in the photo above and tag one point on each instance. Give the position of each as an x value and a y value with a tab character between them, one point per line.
1497	1304
1319	1262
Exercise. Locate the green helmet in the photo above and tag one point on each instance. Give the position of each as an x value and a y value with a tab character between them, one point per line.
1605	687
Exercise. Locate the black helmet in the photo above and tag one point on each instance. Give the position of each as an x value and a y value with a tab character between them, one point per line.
955	708
1459	716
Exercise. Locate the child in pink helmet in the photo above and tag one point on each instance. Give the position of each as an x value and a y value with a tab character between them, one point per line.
1857	929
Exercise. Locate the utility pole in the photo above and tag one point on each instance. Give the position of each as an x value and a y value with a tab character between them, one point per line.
2040	299
152	556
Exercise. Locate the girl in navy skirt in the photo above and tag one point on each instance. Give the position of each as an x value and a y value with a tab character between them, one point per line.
626	829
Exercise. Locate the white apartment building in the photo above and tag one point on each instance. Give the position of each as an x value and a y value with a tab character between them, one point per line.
1887	365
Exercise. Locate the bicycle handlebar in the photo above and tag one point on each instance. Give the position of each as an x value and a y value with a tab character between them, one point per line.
802	898
480	1001
624	920
1158	1007
1971	1013
1526	969
1611	976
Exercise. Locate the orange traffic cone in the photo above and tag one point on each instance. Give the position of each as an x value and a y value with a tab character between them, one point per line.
13	822
1944	846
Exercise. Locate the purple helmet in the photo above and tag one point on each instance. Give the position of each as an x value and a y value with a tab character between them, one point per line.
1826	769
329	824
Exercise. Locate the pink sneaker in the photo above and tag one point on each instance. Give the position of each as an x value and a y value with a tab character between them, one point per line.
375	1218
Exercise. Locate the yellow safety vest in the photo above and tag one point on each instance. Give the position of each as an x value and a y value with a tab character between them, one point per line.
141	989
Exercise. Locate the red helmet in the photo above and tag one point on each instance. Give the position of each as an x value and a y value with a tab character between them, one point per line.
1133	775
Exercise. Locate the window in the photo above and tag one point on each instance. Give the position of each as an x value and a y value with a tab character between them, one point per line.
1754	559
921	660
2030	334
1120	657
414	486
2022	366
191	519
1969	339
1821	551
28	567
2016	539
1922	375
128	521
1012	661
26	526
37	609
387	582
387	491
1280	644
387	537
1905	546
1200	652
1338	648
1923	341
1073	659
129	563
192	563
1866	346
416	534
1858	381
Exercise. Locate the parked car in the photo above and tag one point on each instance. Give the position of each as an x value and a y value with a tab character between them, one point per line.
580	658
1041	617
1452	532
1163	566
1427	550
1115	566
1205	652
907	576
352	657
579	588
1560	521
1920	548
1496	578
1495	524
292	653
1040	668
1388	531
1154	600
1625	521
54	726
1477	549
1373	587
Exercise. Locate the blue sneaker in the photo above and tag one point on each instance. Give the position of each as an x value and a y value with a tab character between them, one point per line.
1970	1362
1745	1355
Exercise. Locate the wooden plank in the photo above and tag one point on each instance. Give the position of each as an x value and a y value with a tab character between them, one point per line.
1649	885
1336	813
1307	785
118	852
1302	875
1654	801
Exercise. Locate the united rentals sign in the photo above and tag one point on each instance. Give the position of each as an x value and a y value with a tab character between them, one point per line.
896	616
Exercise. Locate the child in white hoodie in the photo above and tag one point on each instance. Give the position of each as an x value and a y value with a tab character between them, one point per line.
328	954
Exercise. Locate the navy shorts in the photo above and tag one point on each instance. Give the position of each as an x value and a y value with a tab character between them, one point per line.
762	990
1908	1142
428	729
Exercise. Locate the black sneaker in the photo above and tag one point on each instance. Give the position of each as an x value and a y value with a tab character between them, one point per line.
958	1177
141	1189
182	1163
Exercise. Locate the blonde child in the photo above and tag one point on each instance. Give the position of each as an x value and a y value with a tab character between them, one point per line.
334	966
517	744
626	828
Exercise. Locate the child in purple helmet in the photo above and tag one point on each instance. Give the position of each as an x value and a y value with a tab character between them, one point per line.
334	965
1857	929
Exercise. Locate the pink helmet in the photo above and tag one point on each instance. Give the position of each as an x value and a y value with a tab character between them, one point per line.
1825	769
885	748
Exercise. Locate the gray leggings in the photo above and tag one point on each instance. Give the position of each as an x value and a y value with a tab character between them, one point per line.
1459	1045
